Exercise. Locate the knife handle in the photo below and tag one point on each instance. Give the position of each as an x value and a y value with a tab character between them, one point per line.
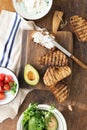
79	62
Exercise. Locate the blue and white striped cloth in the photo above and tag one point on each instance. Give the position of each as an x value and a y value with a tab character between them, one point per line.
11	28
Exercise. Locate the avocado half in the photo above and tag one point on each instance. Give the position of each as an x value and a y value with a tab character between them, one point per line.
31	75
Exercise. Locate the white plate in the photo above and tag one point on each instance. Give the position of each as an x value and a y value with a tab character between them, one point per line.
30	14
58	115
9	96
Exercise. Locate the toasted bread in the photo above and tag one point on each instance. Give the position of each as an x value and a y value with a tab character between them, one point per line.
56	58
55	74
79	25
61	91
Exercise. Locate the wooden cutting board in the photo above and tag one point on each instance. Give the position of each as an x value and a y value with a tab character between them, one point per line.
31	53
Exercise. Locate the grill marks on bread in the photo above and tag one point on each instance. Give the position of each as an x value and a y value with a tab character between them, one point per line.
61	91
55	74
55	58
79	26
57	70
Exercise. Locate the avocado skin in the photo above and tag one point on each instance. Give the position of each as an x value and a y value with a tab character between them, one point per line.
28	68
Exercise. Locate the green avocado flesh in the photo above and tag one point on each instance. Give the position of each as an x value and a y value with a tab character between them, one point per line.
31	75
31	124
53	124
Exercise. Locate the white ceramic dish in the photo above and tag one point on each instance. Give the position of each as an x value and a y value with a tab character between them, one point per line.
32	13
9	96
58	115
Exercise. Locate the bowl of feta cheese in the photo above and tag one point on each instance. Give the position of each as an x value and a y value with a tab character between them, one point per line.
32	9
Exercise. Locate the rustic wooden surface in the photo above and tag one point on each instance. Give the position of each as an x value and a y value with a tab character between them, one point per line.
6	5
77	119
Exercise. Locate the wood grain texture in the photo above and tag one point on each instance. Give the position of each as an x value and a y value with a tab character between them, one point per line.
6	5
77	119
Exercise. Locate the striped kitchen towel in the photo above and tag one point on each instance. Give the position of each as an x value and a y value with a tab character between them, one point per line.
11	28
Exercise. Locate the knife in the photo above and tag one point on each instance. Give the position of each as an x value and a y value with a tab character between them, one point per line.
49	42
69	54
55	26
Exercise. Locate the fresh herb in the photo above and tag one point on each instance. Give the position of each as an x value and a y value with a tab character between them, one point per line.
13	87
47	1
35	118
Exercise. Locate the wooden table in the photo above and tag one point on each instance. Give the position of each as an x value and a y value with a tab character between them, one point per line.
77	119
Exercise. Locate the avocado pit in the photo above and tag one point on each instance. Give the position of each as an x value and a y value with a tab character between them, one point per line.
31	75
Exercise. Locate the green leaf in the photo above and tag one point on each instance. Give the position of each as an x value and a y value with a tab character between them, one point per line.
13	88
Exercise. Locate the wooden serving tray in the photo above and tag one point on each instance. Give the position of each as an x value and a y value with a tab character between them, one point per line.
31	53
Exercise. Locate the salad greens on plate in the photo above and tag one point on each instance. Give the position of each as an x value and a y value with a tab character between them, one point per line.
38	119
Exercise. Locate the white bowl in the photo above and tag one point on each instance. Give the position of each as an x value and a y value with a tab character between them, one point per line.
30	12
61	120
9	96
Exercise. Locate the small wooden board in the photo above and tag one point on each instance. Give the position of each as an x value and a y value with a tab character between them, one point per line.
31	53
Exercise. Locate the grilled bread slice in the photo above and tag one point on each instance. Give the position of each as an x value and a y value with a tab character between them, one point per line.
54	58
55	74
79	26
60	91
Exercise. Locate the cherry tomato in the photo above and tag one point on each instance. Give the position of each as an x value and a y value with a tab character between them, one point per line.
6	87
2	77
1	83
6	82
1	89
2	95
8	79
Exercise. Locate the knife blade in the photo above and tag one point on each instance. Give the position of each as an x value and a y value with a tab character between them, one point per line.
69	54
61	48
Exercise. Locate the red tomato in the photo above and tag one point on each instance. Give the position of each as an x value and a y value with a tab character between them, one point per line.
2	77
2	95
6	87
8	79
1	83
1	89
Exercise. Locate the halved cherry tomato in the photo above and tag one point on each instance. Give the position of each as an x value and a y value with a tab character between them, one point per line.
1	89
1	83
2	77
6	87
8	79
6	82
2	95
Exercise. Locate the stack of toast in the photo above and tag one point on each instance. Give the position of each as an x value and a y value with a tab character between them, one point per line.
57	70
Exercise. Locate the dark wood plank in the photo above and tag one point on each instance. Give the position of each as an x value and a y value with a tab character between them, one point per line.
77	119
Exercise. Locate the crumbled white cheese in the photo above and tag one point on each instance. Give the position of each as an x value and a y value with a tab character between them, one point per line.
33	5
29	3
44	40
